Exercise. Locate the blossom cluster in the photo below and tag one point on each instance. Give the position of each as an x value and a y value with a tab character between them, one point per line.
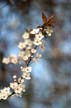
32	40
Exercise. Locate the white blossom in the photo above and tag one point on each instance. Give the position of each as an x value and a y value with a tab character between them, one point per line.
4	93
37	42
13	85
35	31
21	45
26	76
26	35
21	81
33	50
13	59
39	36
6	60
19	88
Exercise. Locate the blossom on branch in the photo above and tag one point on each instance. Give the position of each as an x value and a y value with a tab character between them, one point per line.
32	41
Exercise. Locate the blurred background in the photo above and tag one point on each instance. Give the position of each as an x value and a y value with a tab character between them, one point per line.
50	86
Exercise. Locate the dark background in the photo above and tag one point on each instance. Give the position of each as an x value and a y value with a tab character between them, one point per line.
50	86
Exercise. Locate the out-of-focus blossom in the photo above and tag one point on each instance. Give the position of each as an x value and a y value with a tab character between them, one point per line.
33	50
21	45
13	59
25	35
6	60
4	93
